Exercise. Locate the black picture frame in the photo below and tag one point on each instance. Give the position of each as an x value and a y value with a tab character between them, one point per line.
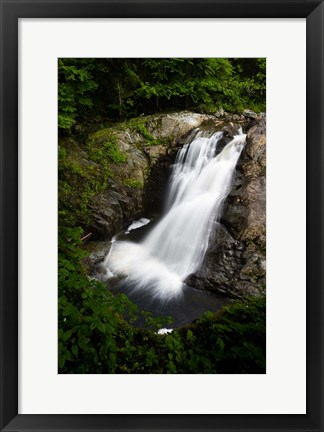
11	11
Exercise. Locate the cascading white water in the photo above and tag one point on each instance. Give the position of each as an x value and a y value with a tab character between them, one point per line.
176	247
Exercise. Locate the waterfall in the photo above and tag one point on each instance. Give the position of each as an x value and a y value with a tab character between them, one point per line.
200	181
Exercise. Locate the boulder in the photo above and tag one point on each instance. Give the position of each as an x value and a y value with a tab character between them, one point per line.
98	250
249	114
235	263
220	113
174	125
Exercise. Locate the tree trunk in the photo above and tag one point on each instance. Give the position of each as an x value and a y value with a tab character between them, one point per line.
120	99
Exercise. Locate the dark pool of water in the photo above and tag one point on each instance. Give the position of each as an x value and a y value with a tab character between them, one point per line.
184	308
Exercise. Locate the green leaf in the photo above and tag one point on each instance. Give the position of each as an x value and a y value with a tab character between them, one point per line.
61	361
75	350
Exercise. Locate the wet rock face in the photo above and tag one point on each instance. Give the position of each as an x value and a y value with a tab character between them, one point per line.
231	267
113	208
157	183
235	263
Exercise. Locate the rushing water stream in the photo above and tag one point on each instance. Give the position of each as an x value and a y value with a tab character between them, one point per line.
152	272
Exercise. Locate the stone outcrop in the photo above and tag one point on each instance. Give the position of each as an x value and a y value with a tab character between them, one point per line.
235	264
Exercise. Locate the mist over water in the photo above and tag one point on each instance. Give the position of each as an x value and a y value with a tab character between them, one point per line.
157	267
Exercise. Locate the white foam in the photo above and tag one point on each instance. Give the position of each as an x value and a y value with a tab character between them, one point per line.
137	224
163	331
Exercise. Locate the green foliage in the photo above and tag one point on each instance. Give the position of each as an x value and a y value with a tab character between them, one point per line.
108	149
150	140
81	178
93	336
136	184
237	335
124	88
75	89
96	332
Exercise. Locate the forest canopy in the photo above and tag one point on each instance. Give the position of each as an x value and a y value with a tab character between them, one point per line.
121	88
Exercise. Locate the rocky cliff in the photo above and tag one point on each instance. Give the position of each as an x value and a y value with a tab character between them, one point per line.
235	263
145	150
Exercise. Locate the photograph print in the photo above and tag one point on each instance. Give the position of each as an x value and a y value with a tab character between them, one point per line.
162	215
